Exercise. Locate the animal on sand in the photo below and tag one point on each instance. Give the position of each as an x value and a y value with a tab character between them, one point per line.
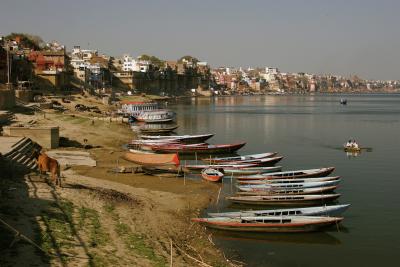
47	164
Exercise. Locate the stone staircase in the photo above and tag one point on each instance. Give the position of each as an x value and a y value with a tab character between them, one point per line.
21	154
6	117
32	106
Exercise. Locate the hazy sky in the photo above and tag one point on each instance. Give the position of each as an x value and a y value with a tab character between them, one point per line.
320	36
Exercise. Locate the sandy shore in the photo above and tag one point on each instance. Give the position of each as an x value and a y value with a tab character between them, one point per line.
111	219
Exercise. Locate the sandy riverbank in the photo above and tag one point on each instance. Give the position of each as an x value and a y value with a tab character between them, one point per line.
112	219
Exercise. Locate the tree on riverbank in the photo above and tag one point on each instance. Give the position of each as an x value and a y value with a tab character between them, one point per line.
27	40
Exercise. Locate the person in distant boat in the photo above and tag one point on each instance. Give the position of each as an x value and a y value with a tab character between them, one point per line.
349	144
355	145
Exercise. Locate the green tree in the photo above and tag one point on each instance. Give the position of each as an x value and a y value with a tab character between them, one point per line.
153	60
188	58
28	40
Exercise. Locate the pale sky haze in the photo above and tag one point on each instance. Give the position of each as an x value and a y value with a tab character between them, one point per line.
316	36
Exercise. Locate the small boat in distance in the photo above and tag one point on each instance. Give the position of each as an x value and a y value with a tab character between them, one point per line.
352	149
343	101
212	175
271	224
332	210
240	158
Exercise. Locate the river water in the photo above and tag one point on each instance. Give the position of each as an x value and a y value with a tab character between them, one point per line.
309	132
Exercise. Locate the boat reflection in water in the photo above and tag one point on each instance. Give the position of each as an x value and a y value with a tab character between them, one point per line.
353	154
320	238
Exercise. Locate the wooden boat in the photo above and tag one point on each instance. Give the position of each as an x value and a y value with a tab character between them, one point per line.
212	175
258	162
294	180
240	158
266	187
133	150
155	116
181	138
352	149
291	174
154	142
332	210
284	200
152	159
200	149
199	168
289	191
155	130
270	224
234	171
164	171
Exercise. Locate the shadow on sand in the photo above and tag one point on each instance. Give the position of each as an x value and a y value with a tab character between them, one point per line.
35	215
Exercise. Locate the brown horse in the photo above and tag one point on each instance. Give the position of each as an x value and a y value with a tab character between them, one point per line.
47	164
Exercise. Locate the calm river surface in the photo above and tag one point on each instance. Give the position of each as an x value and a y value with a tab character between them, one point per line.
309	131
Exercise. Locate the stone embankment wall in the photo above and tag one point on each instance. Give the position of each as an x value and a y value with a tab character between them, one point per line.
47	137
112	119
7	99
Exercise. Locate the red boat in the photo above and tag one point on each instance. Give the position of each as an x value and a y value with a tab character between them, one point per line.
200	149
212	175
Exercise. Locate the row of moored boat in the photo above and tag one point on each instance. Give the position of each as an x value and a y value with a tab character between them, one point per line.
307	194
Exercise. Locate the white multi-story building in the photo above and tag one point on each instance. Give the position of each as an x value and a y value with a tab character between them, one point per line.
131	64
85	54
270	74
81	63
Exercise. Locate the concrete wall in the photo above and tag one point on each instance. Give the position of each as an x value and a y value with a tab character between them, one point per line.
47	137
7	99
24	95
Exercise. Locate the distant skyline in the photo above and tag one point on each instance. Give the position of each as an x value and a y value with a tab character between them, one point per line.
316	36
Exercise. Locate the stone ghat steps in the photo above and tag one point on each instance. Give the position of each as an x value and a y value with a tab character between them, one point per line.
21	154
32	106
6	117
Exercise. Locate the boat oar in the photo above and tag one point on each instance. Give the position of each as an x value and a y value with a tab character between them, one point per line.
368	149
